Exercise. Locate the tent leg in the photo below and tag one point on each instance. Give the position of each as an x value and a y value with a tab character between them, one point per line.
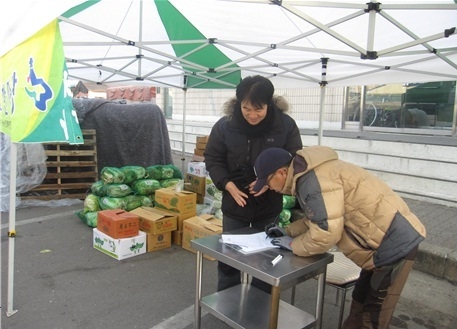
321	116
323	83
12	228
183	157
1	282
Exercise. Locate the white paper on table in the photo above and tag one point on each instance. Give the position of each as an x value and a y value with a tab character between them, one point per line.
249	243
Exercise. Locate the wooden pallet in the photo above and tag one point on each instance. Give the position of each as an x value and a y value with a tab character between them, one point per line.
71	170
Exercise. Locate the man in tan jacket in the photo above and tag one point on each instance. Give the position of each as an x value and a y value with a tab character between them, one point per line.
348	207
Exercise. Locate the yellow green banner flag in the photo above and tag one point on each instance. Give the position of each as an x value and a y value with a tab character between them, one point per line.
36	100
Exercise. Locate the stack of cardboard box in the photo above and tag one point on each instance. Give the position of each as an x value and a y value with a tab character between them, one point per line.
158	226
195	179
200	146
199	227
173	219
118	234
182	204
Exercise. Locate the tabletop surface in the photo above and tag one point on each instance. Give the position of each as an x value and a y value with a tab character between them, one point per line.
259	265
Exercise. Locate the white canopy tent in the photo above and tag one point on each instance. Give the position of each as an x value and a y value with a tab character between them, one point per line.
117	43
214	43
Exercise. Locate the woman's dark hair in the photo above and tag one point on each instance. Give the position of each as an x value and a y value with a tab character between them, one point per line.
256	89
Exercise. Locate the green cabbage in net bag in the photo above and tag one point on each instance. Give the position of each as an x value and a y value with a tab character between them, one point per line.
169	182
110	175
284	218
133	173
133	201
284	223
217	204
218	195
176	172
107	202
146	186
118	190
288	201
218	214
98	188
91	203
159	172
211	189
89	218
147	201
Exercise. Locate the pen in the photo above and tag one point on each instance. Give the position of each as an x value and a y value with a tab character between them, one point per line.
277	259
274	224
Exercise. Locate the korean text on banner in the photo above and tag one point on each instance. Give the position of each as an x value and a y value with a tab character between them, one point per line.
36	101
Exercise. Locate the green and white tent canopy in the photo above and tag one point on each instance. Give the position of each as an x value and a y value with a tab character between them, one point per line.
215	43
212	44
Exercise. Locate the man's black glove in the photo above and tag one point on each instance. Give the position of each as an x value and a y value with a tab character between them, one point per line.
274	231
283	242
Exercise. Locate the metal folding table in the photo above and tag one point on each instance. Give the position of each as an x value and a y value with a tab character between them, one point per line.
245	306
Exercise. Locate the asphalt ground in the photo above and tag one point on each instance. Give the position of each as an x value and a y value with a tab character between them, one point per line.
61	281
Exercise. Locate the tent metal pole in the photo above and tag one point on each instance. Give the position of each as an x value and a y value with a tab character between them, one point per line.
323	84
363	94
140	38
321	115
12	228
183	156
1	266
454	122
371	29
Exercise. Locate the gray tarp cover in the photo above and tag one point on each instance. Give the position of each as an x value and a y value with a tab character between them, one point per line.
127	134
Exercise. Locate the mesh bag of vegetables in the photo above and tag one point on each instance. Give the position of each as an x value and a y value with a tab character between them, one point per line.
98	188
146	186
288	201
159	172
118	190
169	182
89	218
284	218
147	201
176	172
136	201
211	189
152	197
110	175
133	173
91	203
107	202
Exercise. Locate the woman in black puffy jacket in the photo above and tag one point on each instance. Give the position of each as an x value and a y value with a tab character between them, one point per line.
255	120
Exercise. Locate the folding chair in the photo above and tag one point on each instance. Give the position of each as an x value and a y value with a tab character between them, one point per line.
341	274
